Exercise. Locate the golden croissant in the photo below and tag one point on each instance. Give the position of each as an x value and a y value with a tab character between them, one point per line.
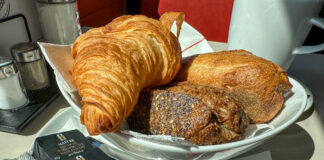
115	62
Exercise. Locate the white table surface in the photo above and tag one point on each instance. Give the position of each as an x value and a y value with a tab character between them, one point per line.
301	141
12	145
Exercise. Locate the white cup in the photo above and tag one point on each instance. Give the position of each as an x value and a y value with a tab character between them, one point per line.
274	29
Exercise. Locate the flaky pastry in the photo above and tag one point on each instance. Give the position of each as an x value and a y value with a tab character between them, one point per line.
114	62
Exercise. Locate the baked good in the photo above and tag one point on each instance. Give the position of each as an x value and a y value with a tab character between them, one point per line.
202	115
114	62
256	84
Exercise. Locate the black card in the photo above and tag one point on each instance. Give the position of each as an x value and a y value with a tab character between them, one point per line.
70	145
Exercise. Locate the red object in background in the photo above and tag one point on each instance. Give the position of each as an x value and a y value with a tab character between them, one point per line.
96	13
210	17
149	8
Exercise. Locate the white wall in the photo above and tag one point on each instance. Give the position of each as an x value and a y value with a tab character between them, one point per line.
29	9
13	32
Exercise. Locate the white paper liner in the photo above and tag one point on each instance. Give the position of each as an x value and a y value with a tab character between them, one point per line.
251	131
60	59
116	144
74	123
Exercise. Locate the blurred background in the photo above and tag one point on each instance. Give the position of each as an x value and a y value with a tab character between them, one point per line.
94	13
91	14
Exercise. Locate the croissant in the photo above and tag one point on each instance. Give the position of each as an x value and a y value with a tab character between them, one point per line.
115	62
255	83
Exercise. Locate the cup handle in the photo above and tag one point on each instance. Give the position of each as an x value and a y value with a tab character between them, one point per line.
319	22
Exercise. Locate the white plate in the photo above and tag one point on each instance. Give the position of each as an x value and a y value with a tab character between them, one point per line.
135	152
293	108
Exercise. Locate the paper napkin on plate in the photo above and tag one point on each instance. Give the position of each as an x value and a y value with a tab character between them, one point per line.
60	59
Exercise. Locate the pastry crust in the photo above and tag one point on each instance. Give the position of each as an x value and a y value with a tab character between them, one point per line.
114	62
256	84
203	115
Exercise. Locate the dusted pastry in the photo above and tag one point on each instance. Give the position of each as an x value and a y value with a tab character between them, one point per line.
256	84
114	62
202	115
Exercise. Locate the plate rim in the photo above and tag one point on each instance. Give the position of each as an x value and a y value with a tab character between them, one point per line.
51	128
